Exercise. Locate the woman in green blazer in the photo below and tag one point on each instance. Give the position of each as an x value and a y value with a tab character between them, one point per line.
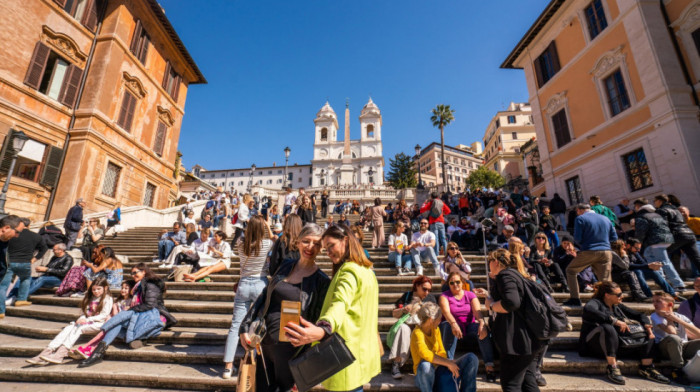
350	309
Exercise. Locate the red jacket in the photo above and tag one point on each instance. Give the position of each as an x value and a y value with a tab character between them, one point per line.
428	205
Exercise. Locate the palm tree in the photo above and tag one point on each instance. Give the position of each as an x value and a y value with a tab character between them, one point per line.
442	115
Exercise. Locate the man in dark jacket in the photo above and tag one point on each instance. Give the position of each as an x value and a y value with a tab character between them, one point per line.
74	222
54	271
653	231
557	207
10	227
683	235
22	252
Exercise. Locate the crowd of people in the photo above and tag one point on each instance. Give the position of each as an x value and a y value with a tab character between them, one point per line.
524	239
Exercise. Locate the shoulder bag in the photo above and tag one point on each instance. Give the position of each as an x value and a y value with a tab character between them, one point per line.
635	337
320	362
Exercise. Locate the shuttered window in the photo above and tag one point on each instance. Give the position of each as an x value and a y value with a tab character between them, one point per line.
561	128
595	18
36	162
159	142
52	75
84	11
140	42
111	180
547	64
126	113
637	170
573	188
171	81
618	99
149	195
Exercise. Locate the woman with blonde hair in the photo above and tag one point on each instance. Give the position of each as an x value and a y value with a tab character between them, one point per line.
349	309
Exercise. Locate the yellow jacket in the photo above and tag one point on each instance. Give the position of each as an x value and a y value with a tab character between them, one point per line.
351	308
424	347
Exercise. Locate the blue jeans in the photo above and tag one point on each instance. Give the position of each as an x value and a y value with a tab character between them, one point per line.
427	253
164	248
43	281
553	239
647	273
248	291
398	260
24	272
659	254
472	333
286	210
116	326
438	228
217	219
428	375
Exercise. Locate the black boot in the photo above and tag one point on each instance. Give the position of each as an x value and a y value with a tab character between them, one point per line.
96	357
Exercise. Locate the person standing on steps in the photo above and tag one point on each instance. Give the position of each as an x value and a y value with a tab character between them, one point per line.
10	227
324	204
437	210
74	222
594	233
378	215
21	254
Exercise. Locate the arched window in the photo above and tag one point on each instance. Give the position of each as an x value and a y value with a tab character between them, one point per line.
370	130
324	134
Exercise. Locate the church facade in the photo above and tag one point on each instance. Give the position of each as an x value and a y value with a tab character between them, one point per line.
348	162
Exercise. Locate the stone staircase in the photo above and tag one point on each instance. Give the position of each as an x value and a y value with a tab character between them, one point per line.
189	357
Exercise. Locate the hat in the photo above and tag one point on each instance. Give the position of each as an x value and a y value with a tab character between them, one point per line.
508	228
277	227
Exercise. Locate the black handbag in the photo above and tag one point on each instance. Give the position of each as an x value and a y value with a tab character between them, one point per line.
635	337
320	362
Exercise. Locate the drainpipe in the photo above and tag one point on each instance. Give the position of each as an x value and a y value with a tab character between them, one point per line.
101	16
677	48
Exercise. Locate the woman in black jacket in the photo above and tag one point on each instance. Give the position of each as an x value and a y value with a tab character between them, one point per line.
519	349
605	318
542	260
298	280
285	247
306	211
146	318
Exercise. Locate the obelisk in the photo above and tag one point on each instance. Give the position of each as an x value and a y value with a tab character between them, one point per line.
346	169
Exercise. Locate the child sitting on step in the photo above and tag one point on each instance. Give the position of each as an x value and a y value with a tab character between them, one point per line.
123	302
96	307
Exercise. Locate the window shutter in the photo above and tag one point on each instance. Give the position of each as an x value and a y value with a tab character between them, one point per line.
135	39
37	65
69	90
130	113
538	72
49	177
555	56
176	87
160	139
166	75
126	101
144	49
90	17
6	152
61	3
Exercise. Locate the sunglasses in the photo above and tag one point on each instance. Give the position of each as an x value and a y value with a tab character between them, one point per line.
618	295
539	238
451	248
455	283
423	223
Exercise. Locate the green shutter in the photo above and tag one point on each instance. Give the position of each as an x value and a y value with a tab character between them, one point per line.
7	152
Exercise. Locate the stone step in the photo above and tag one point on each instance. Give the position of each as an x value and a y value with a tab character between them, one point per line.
66	387
206	377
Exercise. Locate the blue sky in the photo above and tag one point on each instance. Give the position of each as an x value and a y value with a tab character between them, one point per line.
271	65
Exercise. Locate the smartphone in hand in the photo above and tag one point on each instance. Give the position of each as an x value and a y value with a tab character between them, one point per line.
290	311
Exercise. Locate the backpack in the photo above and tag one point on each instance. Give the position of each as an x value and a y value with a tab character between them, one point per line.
544	317
436	208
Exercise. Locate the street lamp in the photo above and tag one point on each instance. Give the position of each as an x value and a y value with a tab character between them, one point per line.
420	180
287	150
17	145
250	180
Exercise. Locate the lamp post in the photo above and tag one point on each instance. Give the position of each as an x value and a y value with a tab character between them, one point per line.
420	180
17	145
287	150
449	174
250	180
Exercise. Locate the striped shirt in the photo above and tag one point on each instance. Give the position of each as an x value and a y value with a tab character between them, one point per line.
255	266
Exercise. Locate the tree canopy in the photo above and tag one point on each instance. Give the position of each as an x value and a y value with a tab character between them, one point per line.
402	172
484	177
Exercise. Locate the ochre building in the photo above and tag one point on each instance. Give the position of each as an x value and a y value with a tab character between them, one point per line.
99	87
613	87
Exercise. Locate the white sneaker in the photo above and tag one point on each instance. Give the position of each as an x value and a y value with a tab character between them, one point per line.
10	301
589	289
164	265
419	270
77	295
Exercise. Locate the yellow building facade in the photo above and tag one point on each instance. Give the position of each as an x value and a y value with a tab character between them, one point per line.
99	87
613	89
